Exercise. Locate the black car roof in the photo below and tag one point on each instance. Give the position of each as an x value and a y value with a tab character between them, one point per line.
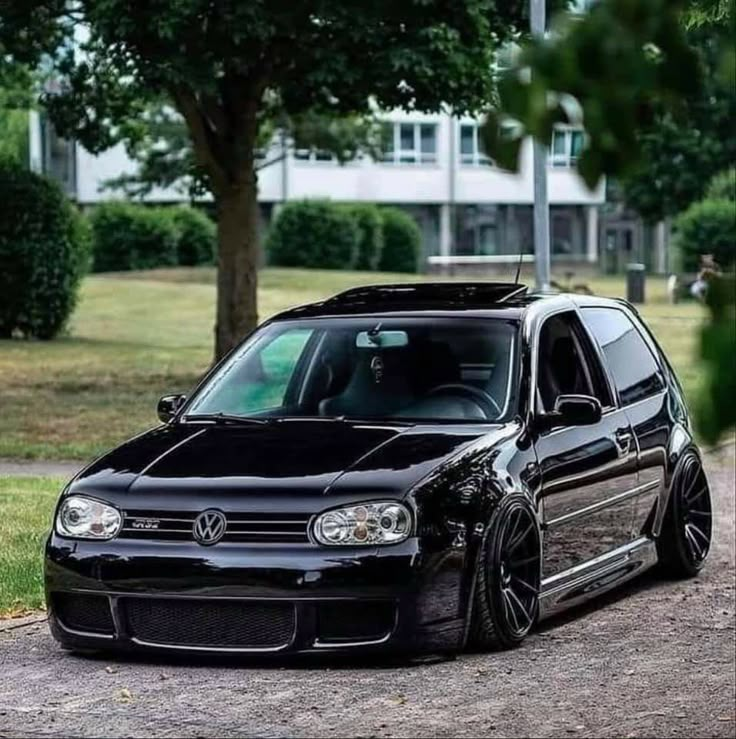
482	298
475	299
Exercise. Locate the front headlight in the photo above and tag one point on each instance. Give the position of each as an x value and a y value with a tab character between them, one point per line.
367	523
87	518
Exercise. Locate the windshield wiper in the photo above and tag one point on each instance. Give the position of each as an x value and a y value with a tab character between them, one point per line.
226	418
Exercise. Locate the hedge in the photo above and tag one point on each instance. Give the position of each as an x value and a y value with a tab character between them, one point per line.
127	236
196	236
314	234
368	219
402	241
723	186
707	227
44	252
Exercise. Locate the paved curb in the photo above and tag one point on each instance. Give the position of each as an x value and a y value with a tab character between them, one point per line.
16	468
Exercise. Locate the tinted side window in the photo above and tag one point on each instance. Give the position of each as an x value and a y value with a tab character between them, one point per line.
566	362
632	365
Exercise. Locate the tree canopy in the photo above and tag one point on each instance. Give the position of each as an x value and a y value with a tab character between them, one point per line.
682	150
223	66
652	83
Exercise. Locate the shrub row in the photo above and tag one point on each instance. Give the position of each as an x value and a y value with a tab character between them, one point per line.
44	252
707	227
128	236
320	234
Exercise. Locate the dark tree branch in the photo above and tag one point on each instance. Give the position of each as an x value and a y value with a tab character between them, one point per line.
206	147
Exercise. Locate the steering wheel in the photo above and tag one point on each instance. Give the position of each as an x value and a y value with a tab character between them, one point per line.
484	399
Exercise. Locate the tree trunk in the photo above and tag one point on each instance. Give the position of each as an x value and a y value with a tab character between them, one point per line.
237	263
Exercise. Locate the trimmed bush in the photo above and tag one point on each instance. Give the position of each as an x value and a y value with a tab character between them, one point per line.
196	236
43	253
128	236
402	242
315	234
367	218
707	227
723	186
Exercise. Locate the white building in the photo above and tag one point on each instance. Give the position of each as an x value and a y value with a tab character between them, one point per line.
472	214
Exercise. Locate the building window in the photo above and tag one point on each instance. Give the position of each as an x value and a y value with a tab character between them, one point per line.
486	230
315	156
567	143
567	231
410	143
506	230
58	157
471	146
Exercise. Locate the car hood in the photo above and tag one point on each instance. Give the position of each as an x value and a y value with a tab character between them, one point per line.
295	458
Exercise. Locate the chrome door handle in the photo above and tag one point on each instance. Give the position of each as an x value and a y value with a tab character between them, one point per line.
623	439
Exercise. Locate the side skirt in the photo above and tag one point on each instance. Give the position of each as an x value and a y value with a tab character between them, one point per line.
585	581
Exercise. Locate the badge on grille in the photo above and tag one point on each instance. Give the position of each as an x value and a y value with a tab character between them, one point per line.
209	527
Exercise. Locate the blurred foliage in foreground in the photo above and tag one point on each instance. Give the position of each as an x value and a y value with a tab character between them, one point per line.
716	410
638	74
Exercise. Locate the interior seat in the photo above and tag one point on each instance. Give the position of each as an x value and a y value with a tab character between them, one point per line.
371	392
562	374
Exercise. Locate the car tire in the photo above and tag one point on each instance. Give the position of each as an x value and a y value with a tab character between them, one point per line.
506	596
685	538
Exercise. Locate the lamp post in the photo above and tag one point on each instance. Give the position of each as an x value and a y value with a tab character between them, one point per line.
541	203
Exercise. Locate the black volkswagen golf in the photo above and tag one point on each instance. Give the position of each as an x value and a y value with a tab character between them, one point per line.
412	467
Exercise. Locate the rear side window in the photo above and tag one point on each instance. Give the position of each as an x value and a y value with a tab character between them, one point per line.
634	369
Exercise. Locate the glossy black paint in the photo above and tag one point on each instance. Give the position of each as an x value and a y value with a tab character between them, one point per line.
599	487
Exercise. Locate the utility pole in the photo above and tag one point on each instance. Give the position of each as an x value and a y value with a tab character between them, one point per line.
541	203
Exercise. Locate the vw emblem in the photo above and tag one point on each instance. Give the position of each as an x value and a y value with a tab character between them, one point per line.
209	527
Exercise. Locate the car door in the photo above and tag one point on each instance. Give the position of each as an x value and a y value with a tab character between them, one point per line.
641	389
588	473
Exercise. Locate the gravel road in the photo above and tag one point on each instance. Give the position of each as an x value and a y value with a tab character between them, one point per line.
656	660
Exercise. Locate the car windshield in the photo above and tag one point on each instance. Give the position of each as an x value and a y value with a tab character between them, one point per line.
408	369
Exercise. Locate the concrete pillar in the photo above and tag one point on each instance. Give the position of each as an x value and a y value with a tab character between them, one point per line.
285	153
591	236
445	230
35	149
659	263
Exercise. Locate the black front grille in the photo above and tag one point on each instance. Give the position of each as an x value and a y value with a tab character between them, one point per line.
363	621
210	623
82	612
265	528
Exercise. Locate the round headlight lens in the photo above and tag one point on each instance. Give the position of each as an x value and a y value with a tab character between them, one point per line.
86	518
365	524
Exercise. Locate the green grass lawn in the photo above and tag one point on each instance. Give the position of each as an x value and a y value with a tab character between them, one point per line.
26	506
136	336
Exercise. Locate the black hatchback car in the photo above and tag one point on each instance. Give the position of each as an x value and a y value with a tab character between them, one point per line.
413	467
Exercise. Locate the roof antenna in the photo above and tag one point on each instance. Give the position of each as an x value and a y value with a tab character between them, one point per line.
518	266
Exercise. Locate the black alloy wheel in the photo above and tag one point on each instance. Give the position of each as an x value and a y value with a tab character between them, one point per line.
506	601
687	529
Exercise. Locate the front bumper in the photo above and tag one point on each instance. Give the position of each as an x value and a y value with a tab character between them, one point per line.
297	598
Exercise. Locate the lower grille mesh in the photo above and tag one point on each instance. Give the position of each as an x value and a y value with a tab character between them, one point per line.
81	612
208	623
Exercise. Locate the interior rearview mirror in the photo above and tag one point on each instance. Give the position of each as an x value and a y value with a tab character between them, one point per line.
168	405
377	339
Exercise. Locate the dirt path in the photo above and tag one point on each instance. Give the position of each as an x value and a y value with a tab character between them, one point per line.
654	661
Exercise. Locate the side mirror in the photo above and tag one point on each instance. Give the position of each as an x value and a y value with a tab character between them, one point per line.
168	406
572	410
578	410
